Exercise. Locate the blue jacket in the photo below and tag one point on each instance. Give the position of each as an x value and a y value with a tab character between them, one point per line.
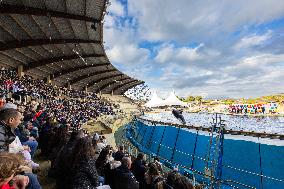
20	132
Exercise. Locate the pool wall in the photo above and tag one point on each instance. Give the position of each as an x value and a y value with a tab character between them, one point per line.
245	163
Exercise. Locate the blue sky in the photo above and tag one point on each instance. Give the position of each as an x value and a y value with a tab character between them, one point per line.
213	48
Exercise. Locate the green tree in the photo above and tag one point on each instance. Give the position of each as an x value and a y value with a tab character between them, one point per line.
190	98
229	101
198	98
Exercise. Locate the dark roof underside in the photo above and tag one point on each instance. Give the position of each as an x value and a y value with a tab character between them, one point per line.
62	39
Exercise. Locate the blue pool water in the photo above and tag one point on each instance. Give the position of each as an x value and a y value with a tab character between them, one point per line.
244	160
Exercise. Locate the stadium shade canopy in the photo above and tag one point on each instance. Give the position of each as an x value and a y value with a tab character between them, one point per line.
172	100
155	101
59	40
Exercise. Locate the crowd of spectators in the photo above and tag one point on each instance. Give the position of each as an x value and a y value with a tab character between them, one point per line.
66	106
78	160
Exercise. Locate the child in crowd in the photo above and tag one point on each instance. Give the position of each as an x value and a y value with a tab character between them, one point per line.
9	166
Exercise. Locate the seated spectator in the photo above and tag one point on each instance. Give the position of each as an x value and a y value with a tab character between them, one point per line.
182	183
138	168
103	160
57	142
2	101
98	145
10	105
175	181
119	154
110	172
103	163
24	135
28	158
9	120
123	176
153	176
9	166
103	140
83	166
64	157
158	164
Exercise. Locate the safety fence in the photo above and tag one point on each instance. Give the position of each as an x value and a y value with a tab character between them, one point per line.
227	163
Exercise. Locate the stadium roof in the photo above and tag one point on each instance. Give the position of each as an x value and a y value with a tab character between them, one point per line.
62	40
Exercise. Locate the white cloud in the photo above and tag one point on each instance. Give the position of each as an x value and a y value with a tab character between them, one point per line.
168	53
185	20
127	54
218	68
253	40
109	22
263	59
116	8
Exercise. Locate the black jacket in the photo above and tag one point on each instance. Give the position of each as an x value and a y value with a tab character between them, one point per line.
124	179
138	168
118	155
85	176
7	136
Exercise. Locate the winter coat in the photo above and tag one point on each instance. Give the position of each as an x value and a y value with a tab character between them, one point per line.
124	179
7	136
109	173
138	168
85	176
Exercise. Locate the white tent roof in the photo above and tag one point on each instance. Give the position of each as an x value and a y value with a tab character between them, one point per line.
155	101
172	100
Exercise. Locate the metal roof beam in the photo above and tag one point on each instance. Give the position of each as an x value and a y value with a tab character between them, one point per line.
90	75
15	9
70	70
114	85
103	78
37	42
122	89
110	83
123	84
44	62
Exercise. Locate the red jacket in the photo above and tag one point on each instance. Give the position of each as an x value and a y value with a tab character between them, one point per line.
6	186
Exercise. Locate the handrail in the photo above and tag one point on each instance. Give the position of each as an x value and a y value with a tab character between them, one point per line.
208	129
193	170
140	146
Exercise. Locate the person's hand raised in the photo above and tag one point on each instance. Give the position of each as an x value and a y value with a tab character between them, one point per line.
21	181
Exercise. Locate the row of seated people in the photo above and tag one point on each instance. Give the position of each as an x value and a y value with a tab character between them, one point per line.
77	161
22	130
25	126
10	81
26	85
75	111
17	168
88	162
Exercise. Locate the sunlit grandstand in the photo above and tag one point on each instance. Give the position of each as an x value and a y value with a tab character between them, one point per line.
72	117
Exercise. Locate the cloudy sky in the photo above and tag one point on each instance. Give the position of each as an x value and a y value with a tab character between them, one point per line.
220	48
